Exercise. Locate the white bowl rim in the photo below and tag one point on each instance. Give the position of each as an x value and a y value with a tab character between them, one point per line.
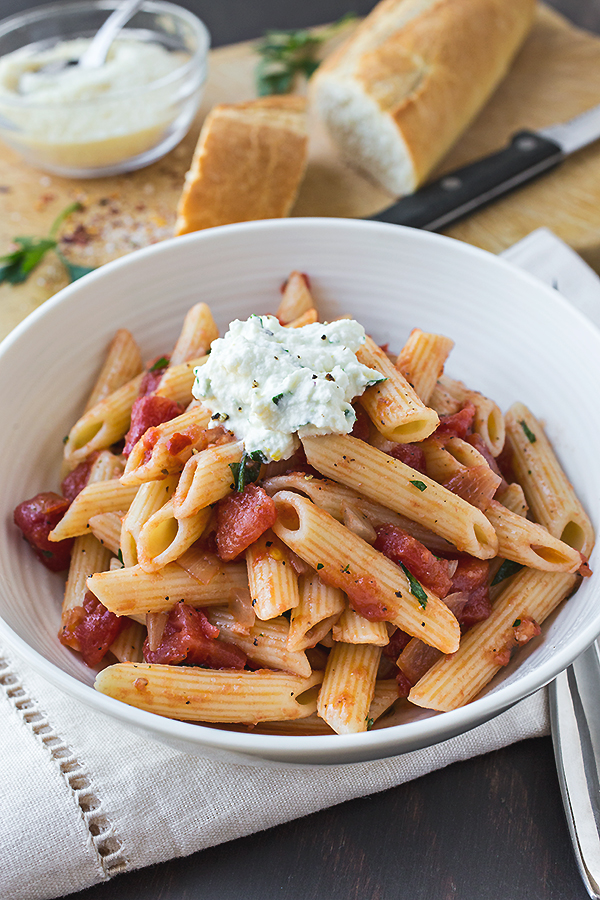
423	732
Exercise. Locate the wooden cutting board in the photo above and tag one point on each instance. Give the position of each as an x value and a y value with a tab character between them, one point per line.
554	78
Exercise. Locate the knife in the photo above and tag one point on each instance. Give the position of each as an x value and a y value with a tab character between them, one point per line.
458	193
575	720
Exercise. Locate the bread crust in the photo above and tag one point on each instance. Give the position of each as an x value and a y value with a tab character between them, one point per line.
420	71
248	163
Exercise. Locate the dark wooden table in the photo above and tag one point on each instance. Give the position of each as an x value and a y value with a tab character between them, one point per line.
491	828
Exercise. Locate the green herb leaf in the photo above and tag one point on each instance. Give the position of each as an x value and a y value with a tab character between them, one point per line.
161	363
286	54
416	588
319	566
74	272
516	623
20	263
527	432
277	398
248	470
370	723
507	569
420	485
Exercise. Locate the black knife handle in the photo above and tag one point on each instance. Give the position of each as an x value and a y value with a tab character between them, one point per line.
464	190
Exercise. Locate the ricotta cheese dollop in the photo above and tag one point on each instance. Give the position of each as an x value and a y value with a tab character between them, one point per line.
269	384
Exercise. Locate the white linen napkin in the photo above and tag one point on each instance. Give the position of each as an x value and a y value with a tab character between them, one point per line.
83	799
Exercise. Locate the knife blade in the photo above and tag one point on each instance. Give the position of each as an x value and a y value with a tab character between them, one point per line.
575	721
526	156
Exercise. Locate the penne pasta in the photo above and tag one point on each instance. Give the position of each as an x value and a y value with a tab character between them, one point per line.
206	478
457	679
387	480
132	592
392	405
348	687
296	298
102	425
351	628
98	497
319	607
197	334
548	491
204	695
271	577
375	586
422	360
265	642
123	362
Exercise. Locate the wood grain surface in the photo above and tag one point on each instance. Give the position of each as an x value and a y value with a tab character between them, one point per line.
548	82
490	828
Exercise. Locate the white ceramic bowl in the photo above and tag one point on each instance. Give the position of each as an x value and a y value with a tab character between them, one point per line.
515	339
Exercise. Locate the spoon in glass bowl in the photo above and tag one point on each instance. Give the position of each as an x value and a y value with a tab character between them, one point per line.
95	55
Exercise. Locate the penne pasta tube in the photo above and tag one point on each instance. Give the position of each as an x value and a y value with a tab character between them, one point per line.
385	695
422	360
455	680
513	498
351	628
87	556
106	527
392	405
348	687
163	538
488	421
320	605
98	497
271	577
307	318
149	498
390	482
102	425
530	544
264	643
296	298
206	478
165	449
375	586
334	497
123	362
132	592
206	695
178	381
548	491
197	334
128	647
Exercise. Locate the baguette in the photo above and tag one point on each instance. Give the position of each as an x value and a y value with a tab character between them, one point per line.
248	163
399	92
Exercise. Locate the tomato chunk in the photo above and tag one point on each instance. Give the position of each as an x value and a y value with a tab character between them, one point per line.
401	547
459	424
97	631
189	637
241	519
76	480
36	518
147	412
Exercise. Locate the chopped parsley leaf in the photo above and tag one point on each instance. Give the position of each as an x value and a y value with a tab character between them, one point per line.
161	363
507	569
420	485
416	588
527	431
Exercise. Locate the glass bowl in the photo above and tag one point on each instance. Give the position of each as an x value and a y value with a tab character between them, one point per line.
102	130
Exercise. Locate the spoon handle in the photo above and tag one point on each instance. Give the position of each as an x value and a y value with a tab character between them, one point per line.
575	721
95	55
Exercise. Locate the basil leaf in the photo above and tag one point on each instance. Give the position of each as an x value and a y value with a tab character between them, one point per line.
247	471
